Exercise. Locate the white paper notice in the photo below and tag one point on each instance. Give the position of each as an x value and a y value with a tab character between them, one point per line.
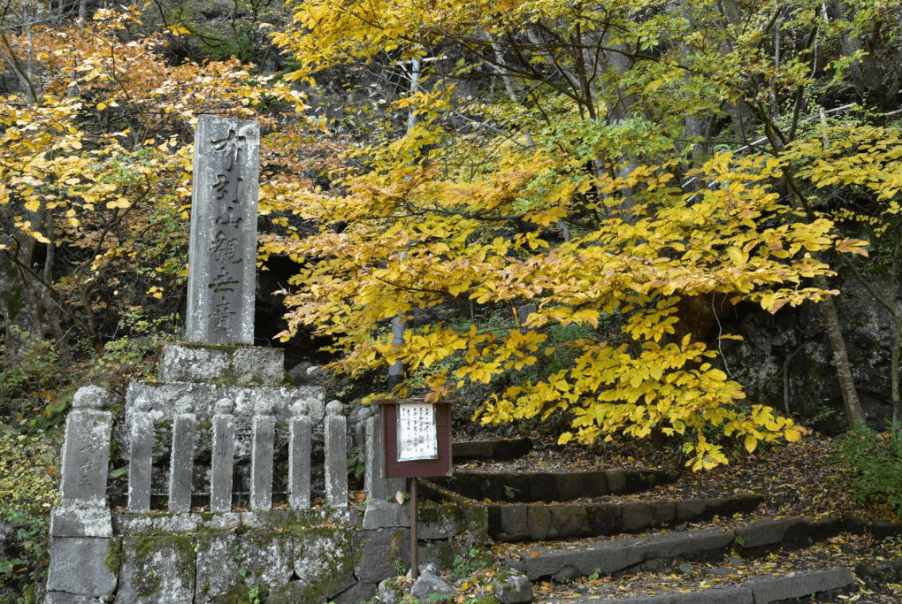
417	434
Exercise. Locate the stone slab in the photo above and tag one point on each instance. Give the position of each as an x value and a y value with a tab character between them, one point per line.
615	555
81	522
163	399
217	568
766	532
382	553
223	244
86	457
240	366
800	585
59	597
78	565
385	514
157	569
726	595
268	558
325	559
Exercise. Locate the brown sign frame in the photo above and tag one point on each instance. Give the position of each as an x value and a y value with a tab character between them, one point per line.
419	468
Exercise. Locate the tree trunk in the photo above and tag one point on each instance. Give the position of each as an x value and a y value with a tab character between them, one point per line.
843	367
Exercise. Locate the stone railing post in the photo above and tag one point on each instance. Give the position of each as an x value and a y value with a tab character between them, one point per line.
336	437
81	528
261	458
299	449
184	427
140	457
223	457
382	510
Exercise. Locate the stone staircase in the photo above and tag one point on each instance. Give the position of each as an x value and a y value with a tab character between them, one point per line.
590	536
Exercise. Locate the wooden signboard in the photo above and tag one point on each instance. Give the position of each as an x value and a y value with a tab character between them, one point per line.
417	437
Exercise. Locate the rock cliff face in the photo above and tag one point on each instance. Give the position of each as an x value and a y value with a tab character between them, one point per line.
786	361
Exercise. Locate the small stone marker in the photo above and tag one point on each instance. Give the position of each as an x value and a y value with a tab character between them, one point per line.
223	458
261	459
140	457
86	453
335	433
223	248
180	472
378	487
299	448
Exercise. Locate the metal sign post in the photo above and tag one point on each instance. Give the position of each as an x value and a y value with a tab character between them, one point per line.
417	437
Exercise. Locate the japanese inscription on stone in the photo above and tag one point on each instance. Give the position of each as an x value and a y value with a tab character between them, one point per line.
223	246
417	433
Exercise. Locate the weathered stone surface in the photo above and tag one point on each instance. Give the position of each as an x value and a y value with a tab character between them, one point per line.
377	486
513	588
156	569
799	585
616	480
81	522
335	431
429	583
140	461
294	592
605	518
687	509
766	532
514	523
727	595
570	520
261	462
182	462
222	464
355	594
241	366
299	450
222	251
324	559
86	456
58	597
538	523
267	557
163	397
385	514
441	524
390	591
637	515
612	556
217	568
165	524
78	565
382	553
569	486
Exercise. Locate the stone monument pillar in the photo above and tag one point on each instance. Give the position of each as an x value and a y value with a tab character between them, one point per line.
223	250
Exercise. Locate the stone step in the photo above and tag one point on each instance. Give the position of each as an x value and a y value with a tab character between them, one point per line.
529	487
541	521
569	561
493	449
762	590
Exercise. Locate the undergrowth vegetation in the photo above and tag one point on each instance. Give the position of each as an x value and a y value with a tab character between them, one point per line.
874	463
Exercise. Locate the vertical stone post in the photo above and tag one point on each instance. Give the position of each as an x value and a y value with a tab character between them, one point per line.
86	452
261	458
378	487
335	430
382	510
184	427
223	250
299	449
140	457
223	457
81	529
